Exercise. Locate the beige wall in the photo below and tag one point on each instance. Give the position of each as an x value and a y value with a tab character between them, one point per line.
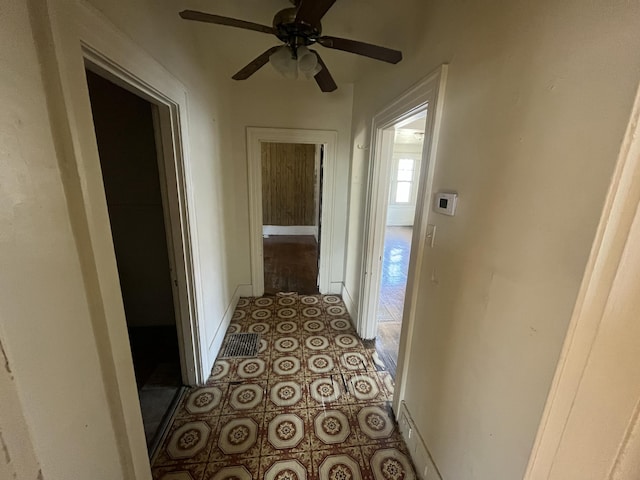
291	104
19	460
62	325
537	100
47	336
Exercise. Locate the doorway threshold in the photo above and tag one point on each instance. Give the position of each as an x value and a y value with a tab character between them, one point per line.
165	421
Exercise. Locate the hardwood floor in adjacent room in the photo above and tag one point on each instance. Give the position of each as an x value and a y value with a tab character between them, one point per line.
290	264
395	266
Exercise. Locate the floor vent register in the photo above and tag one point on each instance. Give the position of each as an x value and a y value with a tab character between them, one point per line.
241	345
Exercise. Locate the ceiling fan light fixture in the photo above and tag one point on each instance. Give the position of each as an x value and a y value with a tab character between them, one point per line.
316	70
283	61
307	60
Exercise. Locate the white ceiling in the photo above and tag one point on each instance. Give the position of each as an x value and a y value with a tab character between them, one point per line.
417	125
412	132
381	22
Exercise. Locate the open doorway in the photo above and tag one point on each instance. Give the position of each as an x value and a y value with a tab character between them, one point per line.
405	162
129	148
291	211
324	143
424	102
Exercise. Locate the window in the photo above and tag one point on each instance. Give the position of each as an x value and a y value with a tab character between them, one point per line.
403	179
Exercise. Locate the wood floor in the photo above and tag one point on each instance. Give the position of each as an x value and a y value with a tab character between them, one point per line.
290	264
395	265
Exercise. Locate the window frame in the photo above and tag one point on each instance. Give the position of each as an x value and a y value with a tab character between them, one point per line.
413	194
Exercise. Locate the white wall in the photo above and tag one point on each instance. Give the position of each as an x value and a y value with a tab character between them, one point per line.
537	100
291	104
62	326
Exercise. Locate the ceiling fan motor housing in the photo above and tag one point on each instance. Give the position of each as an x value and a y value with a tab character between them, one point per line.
292	31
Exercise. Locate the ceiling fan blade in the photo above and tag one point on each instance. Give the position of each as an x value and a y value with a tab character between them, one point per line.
231	22
255	65
323	77
361	48
311	11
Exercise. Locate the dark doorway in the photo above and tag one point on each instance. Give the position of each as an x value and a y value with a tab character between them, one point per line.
291	200
124	125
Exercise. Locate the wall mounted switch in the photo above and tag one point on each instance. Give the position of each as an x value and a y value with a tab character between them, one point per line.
431	235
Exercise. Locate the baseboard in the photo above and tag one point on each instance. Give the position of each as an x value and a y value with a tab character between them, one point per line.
216	342
335	288
426	469
351	306
290	230
245	290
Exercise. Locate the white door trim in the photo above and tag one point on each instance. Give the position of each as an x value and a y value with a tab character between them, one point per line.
426	94
175	204
74	30
328	138
590	423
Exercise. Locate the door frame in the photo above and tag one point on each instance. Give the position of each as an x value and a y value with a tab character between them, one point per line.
71	31
258	135
175	205
428	94
384	167
591	421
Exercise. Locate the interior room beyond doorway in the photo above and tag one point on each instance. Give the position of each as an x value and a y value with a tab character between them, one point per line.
128	150
291	199
405	162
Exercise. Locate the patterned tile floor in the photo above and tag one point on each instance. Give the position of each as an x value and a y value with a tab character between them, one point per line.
311	405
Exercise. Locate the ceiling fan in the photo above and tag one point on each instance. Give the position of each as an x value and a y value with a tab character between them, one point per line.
298	27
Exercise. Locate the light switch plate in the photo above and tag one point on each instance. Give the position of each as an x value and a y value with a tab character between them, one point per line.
431	235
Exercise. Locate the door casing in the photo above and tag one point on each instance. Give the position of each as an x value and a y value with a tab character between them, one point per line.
255	137
174	204
427	94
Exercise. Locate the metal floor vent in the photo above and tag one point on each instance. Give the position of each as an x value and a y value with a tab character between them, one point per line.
242	345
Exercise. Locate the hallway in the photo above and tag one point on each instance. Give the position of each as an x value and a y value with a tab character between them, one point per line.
309	405
530	104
